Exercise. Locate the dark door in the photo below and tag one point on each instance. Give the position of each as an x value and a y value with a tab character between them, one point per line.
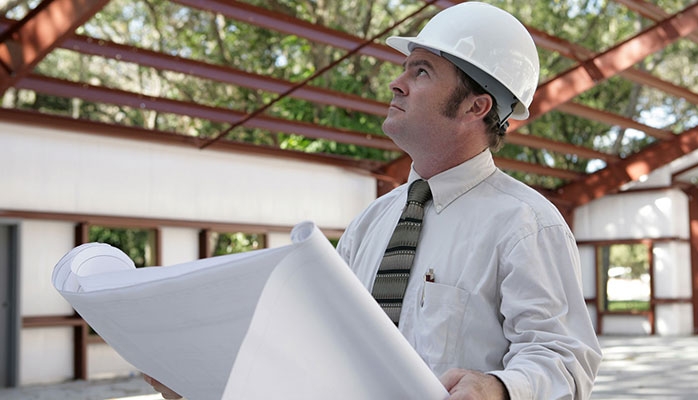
9	317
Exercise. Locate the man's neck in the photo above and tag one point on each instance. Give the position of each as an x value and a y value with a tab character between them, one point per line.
428	167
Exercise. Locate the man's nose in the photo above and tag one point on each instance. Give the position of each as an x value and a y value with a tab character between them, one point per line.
397	87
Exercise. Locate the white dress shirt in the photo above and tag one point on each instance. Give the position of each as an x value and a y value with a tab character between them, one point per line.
506	297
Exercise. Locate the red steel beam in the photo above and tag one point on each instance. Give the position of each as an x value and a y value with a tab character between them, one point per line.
233	76
583	77
651	11
160	61
583	111
615	175
287	24
99	47
647	79
538	142
559	45
157	60
59	87
30	40
581	54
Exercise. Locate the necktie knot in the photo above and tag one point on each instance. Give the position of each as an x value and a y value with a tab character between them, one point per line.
419	192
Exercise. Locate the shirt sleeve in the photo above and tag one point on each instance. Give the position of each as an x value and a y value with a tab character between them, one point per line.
554	351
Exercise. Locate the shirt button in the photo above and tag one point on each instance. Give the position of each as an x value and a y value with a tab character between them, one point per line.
439	207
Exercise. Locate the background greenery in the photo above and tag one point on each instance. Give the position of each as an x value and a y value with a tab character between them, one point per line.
168	27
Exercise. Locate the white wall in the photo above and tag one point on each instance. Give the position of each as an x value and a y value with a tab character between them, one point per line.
47	170
672	270
651	214
42	244
661	213
178	245
57	171
45	355
105	363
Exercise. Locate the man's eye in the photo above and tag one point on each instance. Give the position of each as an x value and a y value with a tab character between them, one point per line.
421	72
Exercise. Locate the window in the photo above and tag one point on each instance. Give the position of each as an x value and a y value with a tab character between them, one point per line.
624	271
220	243
138	244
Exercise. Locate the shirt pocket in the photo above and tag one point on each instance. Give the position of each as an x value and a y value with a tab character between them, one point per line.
439	320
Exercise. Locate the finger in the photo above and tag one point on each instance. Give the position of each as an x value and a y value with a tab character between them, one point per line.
166	392
451	378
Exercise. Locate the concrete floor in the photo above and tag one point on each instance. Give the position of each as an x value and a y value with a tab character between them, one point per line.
648	368
658	368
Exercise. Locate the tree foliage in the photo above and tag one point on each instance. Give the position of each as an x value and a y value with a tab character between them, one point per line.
138	244
168	27
235	242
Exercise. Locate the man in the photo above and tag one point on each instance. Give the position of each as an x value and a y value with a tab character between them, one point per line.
493	303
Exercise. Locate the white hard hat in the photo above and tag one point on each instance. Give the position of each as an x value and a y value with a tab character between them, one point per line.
489	45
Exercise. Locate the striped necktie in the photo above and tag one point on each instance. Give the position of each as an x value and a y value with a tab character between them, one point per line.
394	271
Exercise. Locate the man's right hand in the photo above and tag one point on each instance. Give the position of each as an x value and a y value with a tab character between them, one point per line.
166	392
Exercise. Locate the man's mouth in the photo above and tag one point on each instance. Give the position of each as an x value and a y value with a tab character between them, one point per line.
395	106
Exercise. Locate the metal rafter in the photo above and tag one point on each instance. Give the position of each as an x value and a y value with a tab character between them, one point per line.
614	175
160	61
609	179
59	87
28	42
651	11
583	77
87	45
286	24
102	48
609	118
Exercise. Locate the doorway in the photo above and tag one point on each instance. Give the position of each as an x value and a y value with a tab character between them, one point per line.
9	310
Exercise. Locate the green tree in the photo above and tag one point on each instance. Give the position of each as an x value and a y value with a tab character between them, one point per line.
138	244
170	28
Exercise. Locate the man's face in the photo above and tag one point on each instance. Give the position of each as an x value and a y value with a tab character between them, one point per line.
416	119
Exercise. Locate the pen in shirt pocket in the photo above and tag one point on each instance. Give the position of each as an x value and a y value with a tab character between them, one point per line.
428	277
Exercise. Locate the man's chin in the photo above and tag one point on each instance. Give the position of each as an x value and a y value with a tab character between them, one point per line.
390	128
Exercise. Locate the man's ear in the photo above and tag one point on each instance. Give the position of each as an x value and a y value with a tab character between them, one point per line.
481	105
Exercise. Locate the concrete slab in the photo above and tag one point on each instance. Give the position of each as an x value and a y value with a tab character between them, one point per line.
648	368
131	388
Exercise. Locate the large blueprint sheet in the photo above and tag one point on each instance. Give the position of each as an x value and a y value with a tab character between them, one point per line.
291	322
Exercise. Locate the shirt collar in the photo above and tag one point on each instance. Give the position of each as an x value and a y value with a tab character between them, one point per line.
447	186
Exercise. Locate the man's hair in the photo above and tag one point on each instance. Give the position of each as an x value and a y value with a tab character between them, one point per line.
494	129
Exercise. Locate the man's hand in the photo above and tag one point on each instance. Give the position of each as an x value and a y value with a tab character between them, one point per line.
166	392
465	384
